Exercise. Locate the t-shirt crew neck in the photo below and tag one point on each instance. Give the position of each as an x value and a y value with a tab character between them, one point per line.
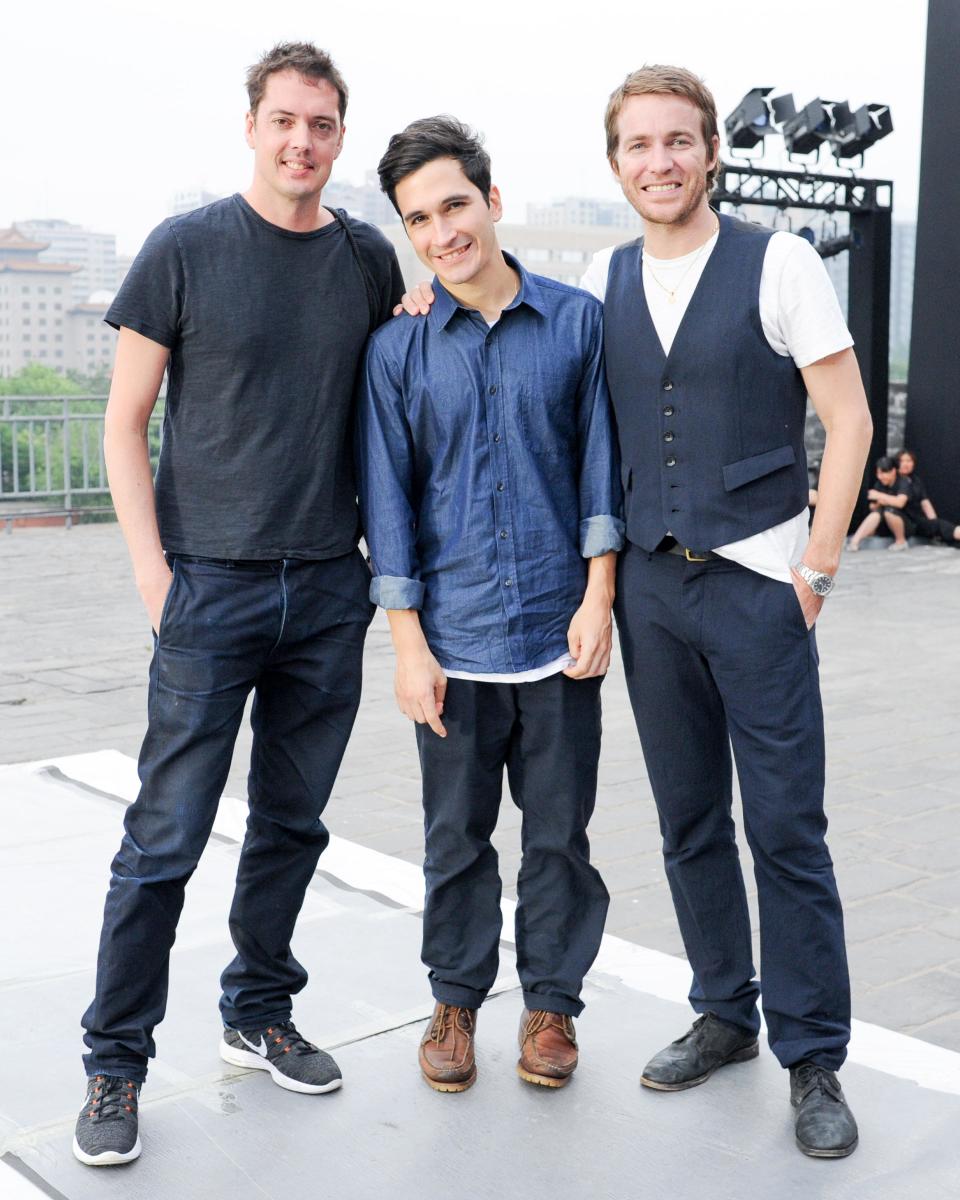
266	329
297	234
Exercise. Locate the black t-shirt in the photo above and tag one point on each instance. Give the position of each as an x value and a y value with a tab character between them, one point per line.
899	487
265	328
917	493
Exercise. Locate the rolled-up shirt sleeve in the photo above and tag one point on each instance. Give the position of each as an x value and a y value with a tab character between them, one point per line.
601	495
385	460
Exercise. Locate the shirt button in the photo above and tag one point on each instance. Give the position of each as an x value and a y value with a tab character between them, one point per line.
668	410
668	436
667	385
508	583
500	485
670	461
496	437
493	389
503	533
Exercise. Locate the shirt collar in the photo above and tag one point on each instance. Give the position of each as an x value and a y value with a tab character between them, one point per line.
530	293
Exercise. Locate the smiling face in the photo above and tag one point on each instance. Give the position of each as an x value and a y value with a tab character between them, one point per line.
662	159
295	135
450	225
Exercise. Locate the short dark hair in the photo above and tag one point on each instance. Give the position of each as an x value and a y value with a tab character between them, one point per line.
428	139
885	463
304	58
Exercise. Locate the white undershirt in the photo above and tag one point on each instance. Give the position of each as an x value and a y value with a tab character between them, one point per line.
801	319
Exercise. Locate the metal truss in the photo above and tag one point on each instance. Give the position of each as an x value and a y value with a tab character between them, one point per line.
801	189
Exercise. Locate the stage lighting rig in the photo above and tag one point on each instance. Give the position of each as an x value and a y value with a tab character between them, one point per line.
814	124
860	130
755	117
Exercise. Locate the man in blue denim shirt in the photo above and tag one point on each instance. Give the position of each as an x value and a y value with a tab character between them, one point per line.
491	501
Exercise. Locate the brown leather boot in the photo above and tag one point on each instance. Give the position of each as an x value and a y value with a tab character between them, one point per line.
548	1048
446	1052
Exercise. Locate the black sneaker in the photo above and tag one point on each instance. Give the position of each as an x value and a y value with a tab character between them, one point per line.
107	1126
294	1063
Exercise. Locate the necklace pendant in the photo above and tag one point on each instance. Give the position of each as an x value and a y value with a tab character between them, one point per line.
672	297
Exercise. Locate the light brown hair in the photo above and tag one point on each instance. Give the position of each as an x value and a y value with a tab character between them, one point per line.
304	58
658	80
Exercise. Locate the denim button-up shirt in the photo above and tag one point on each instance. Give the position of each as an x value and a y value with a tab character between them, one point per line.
488	472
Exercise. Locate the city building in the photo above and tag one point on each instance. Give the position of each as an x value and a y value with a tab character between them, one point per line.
365	201
94	253
559	253
39	320
577	211
191	198
903	252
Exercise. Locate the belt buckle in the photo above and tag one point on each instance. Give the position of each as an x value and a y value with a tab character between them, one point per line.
691	557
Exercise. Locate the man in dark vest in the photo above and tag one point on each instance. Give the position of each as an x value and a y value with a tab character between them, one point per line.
716	331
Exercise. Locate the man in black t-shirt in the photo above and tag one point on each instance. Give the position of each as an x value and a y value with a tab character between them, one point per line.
887	500
245	555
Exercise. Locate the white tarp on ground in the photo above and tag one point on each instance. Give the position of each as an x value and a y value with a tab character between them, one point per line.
211	1131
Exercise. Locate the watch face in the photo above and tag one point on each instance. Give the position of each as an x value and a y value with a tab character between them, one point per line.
822	585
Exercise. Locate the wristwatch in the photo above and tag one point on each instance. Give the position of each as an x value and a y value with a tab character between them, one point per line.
819	582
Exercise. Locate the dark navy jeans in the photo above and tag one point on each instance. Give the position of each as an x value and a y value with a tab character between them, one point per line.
292	632
718	655
547	734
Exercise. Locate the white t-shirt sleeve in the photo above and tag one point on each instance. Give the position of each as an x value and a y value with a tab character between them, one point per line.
799	308
594	278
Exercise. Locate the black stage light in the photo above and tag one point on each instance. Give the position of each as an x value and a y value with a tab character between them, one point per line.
755	117
860	130
804	132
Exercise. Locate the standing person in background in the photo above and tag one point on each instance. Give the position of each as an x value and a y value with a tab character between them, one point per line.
245	554
716	331
919	506
491	504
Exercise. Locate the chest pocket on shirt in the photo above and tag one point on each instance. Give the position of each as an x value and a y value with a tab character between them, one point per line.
548	410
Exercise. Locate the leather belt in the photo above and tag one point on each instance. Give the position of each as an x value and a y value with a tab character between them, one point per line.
670	545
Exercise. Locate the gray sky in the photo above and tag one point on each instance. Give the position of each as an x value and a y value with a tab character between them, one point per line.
108	109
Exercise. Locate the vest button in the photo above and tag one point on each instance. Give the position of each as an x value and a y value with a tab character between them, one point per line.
668	410
668	436
667	385
670	461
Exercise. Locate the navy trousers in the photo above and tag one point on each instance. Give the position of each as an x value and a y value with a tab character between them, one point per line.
292	632
717	655
547	734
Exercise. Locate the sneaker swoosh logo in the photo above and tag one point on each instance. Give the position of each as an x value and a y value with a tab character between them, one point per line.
261	1049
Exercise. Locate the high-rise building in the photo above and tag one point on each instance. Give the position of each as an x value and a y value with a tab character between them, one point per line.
191	198
578	211
557	253
94	253
39	321
902	254
366	201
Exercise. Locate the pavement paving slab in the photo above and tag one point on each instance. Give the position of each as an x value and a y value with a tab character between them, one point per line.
75	646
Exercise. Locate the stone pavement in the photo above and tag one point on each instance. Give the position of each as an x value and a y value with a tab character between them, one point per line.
74	650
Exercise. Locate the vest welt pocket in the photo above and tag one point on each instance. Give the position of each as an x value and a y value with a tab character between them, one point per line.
746	470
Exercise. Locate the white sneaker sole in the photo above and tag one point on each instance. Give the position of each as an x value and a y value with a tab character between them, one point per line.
109	1158
247	1058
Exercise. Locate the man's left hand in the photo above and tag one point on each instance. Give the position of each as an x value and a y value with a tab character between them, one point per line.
590	638
809	601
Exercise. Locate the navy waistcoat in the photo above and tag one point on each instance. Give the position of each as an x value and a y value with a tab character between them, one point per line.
711	435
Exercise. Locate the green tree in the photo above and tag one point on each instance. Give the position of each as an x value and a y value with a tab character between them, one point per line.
37	380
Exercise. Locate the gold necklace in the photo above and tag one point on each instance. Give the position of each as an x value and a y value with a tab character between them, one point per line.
672	292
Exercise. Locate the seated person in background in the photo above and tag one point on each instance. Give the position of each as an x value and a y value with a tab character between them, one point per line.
919	508
887	500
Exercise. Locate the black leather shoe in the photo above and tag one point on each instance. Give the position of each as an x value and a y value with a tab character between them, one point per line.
825	1125
710	1043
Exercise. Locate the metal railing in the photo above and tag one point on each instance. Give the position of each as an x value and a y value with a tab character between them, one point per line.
51	450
